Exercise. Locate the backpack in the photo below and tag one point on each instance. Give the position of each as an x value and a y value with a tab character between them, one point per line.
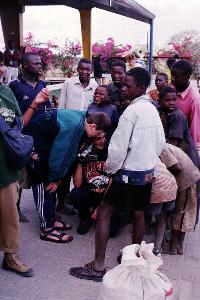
18	147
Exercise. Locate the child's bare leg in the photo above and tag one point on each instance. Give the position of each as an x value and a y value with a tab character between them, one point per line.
160	230
138	227
148	221
104	213
180	243
174	242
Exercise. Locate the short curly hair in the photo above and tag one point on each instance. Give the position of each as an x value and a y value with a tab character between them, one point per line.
141	76
100	119
165	90
184	66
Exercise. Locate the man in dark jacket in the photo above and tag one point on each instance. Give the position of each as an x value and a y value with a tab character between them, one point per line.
9	219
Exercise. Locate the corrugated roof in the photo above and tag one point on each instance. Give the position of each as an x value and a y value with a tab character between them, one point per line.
128	8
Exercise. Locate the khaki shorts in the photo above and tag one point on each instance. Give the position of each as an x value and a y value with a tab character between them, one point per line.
9	218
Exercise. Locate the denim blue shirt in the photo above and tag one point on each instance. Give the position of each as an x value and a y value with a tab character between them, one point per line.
106	108
25	93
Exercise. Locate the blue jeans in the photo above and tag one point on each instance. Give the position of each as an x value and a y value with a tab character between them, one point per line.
83	198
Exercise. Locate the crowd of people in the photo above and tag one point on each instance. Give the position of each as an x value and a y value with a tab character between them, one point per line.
126	150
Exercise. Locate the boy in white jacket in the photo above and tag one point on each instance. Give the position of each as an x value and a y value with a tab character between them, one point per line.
132	155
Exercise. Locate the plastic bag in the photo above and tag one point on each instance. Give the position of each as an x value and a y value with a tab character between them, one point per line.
137	277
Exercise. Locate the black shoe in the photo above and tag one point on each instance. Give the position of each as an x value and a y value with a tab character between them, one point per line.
84	226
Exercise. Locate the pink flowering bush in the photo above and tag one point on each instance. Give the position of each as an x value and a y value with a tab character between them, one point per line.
53	56
109	49
187	43
44	49
66	58
181	44
165	52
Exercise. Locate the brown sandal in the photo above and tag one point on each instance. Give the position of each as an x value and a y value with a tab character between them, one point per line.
63	227
45	237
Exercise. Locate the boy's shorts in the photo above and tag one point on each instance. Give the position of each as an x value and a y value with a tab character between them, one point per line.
137	197
157	208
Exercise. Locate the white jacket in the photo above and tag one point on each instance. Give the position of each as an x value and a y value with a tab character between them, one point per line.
138	140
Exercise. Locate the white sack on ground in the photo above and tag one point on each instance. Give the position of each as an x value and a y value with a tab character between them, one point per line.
137	277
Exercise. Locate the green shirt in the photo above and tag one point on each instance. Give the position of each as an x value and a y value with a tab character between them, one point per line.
8	109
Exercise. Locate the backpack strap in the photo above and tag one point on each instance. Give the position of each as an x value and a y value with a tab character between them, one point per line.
4	127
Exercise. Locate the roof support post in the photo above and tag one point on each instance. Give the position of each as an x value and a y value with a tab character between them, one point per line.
85	17
151	49
12	21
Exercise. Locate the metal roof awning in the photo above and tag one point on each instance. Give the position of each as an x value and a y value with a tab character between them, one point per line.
127	8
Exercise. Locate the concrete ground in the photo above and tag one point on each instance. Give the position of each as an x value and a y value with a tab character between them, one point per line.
51	263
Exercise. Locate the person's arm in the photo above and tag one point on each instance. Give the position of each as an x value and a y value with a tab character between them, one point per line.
78	176
119	143
173	141
176	128
169	159
41	97
2	70
53	186
63	96
194	123
175	168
